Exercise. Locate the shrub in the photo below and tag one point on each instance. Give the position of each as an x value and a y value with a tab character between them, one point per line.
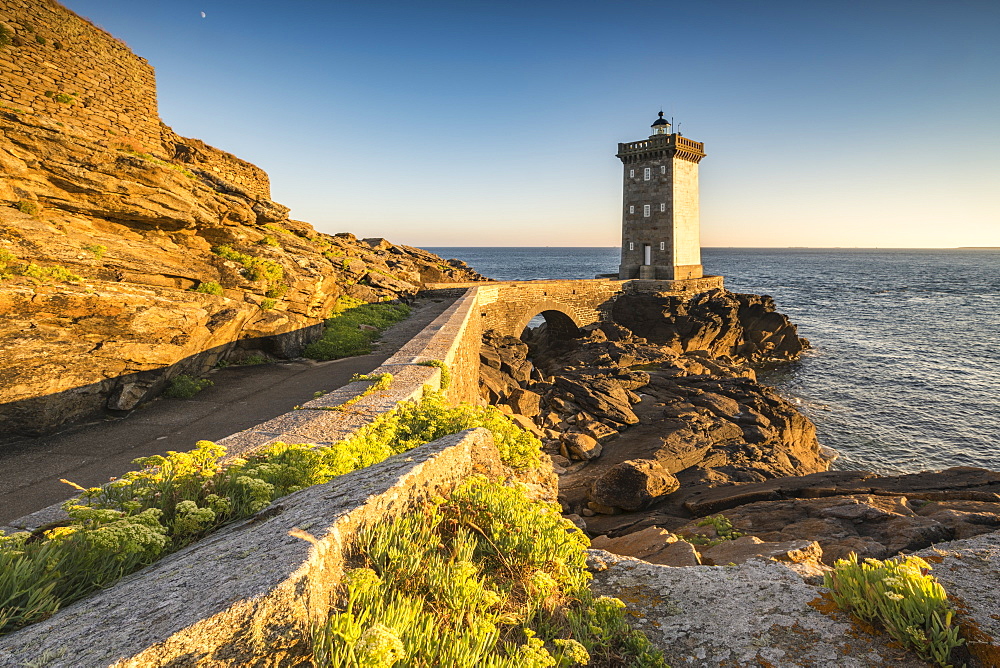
249	360
412	424
268	240
254	268
54	273
28	207
209	288
267	304
185	386
9	266
64	98
5	36
723	529
486	577
276	291
898	594
40	39
97	249
343	335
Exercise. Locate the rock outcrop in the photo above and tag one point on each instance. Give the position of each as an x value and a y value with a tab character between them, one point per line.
719	322
759	613
856	511
638	425
121	268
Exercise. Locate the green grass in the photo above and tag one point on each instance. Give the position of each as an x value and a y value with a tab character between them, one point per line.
899	595
185	386
343	335
486	577
252	360
723	528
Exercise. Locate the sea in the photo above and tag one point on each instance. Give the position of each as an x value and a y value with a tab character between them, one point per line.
904	370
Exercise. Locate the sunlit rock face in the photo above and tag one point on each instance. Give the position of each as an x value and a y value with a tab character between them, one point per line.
102	251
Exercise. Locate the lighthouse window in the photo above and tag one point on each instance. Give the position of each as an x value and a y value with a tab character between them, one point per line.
645	210
663	169
663	207
663	245
646	175
631	173
631	209
631	245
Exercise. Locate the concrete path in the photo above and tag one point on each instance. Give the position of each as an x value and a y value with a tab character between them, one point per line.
242	397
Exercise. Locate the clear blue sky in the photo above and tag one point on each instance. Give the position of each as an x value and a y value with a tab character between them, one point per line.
849	123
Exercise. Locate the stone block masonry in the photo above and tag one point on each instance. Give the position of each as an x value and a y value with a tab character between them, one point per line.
58	65
251	585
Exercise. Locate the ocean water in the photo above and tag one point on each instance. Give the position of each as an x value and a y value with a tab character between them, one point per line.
904	374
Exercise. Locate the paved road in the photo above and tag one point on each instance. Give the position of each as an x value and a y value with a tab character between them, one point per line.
242	397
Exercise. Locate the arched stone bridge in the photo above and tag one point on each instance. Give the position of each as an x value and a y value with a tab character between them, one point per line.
508	306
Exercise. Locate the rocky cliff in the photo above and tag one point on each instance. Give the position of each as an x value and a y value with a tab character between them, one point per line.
121	268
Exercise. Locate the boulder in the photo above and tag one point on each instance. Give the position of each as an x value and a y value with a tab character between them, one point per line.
633	485
524	402
527	425
652	544
740	549
581	446
602	398
759	613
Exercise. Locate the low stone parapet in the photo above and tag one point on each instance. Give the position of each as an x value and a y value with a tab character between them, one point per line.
250	590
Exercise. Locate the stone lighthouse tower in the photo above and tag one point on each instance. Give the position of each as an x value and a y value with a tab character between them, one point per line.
661	236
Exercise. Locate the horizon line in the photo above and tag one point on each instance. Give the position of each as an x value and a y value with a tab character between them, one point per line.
764	247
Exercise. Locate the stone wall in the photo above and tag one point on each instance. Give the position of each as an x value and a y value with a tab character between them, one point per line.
687	214
251	585
62	66
211	161
454	338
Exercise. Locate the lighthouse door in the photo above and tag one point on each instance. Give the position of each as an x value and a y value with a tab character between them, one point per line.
647	254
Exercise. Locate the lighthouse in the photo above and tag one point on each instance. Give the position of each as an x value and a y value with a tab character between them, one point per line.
661	236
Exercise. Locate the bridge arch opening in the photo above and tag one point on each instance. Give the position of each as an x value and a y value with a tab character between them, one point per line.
560	324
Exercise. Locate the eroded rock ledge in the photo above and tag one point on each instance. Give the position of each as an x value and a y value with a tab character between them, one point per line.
137	228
